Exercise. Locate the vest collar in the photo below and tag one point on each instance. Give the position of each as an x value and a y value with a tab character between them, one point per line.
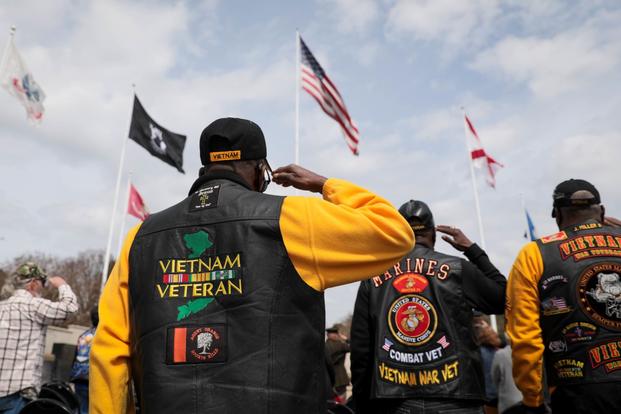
218	175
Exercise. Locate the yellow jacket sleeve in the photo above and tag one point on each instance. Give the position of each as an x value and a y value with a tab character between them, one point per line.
109	373
522	314
350	235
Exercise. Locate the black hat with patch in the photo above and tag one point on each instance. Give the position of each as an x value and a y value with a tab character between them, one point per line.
418	214
232	139
563	195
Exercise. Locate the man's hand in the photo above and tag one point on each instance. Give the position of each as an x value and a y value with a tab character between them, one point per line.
295	176
457	238
611	221
56	281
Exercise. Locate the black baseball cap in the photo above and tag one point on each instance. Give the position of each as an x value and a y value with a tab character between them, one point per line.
232	139
418	214
564	192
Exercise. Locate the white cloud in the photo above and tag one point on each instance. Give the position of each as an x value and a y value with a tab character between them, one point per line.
454	23
565	62
353	15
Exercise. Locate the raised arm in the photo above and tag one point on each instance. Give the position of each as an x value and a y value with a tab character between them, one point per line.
350	235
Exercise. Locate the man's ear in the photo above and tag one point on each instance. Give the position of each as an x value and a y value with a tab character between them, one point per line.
201	171
603	211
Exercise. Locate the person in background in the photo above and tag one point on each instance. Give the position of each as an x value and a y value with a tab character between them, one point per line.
24	318
217	303
489	342
413	350
509	396
563	308
79	370
337	347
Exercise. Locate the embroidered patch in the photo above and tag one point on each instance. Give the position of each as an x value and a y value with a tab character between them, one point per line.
412	320
607	354
599	294
410	283
196	344
569	368
589	246
554	306
197	243
553	280
561	235
224	156
205	198
557	346
420	378
579	332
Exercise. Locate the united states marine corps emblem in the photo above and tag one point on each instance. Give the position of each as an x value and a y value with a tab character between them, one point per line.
599	294
412	320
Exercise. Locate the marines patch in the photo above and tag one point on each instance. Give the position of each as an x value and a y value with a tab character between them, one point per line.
599	294
410	283
412	320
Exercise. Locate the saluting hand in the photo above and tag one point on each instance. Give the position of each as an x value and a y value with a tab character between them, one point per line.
611	221
298	177
457	238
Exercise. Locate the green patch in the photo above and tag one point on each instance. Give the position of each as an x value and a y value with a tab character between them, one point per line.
197	243
192	307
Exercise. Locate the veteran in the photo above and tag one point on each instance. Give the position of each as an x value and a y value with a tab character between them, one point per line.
564	308
412	345
216	303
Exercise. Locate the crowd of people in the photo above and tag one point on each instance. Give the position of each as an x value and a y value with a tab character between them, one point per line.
216	305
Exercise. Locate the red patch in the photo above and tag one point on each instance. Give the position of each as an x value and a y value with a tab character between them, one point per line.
410	283
561	235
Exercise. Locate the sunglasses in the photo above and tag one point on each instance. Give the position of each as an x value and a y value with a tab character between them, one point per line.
267	174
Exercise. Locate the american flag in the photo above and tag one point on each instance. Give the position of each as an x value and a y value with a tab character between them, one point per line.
443	342
480	158
316	82
387	344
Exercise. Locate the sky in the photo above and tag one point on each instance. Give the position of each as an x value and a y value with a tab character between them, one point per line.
539	80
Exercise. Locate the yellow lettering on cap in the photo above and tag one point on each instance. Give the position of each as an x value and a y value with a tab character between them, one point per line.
225	156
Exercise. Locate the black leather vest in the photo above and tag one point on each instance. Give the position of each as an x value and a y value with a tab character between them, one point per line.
580	296
424	345
221	321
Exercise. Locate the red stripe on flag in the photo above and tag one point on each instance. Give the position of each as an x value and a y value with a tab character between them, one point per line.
179	348
478	153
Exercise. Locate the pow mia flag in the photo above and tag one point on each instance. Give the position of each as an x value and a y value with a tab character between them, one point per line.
160	142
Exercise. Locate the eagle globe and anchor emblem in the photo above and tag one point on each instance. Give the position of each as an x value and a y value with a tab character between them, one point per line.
157	140
412	320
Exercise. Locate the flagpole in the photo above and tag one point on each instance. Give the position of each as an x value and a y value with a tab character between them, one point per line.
124	216
297	97
476	202
104	272
5	54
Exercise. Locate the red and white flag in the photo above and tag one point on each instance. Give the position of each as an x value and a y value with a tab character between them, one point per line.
479	157
316	82
18	81
136	206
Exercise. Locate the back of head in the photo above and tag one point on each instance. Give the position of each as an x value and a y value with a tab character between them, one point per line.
574	201
418	214
232	139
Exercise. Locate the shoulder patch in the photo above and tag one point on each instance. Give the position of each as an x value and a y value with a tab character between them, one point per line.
561	235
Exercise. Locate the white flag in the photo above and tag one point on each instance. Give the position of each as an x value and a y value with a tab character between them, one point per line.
479	157
18	81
